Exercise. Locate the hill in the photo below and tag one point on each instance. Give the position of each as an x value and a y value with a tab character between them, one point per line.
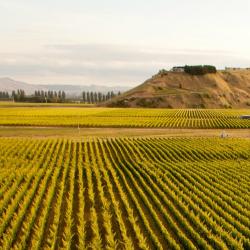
224	89
8	84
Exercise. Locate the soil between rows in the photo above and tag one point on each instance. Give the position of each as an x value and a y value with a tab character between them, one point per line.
117	132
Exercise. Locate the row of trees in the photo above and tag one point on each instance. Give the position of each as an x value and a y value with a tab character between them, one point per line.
97	97
39	96
61	95
200	69
19	95
4	95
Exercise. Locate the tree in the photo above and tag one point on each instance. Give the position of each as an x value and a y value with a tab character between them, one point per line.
88	97
22	95
99	96
84	96
108	96
13	95
95	97
91	97
103	97
200	69
63	96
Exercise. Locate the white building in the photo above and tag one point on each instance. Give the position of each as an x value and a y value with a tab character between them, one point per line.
178	69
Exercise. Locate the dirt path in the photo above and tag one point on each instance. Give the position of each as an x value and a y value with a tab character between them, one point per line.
118	132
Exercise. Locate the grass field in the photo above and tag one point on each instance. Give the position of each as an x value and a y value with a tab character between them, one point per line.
128	118
125	193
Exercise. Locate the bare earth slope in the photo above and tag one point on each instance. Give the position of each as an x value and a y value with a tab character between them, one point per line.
224	89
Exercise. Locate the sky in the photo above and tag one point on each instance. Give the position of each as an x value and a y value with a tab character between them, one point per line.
117	42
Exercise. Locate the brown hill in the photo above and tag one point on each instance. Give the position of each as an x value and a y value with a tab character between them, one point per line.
225	89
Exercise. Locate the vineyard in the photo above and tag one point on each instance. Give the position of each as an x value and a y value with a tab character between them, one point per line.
129	118
126	193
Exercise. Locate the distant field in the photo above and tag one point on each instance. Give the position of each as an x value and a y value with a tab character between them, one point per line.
118	117
127	193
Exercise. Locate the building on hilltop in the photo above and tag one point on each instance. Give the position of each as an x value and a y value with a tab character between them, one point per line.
178	69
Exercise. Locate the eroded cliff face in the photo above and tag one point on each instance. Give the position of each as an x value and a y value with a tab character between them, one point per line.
225	89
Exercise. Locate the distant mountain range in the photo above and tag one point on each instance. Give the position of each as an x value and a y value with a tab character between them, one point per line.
8	84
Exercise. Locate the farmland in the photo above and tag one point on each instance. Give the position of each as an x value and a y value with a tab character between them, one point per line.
121	117
125	193
75	177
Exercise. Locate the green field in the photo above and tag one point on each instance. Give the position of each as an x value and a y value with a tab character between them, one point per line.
118	117
125	193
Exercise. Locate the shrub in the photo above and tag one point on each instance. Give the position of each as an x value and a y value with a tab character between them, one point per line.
206	95
149	103
120	103
200	69
162	72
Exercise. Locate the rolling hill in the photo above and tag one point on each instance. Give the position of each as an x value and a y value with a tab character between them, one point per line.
8	84
224	89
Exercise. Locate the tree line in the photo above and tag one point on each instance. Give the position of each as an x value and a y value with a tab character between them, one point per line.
39	96
200	69
4	95
97	97
50	96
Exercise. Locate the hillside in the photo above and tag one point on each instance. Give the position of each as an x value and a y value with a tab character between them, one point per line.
224	89
8	84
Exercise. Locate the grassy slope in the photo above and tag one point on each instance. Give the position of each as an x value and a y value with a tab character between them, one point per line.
180	90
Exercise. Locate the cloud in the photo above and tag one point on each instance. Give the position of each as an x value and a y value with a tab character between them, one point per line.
105	63
107	52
